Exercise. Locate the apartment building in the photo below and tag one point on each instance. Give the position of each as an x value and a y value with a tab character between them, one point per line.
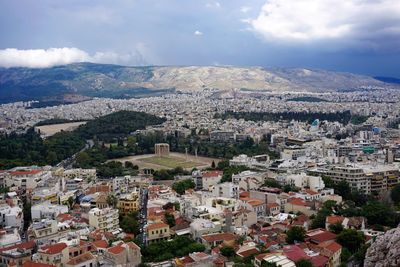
44	229
355	176
104	219
228	190
205	180
128	203
11	216
366	178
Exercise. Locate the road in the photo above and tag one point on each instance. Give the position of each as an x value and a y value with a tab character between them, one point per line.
68	162
143	215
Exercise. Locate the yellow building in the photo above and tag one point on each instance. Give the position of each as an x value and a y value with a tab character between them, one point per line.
157	232
128	203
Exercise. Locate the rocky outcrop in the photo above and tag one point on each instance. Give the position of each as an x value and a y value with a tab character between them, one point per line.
385	251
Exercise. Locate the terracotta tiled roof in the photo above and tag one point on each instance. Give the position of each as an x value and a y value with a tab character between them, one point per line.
117	249
294	253
156	226
297	201
36	264
253	201
319	261
324	236
30	172
311	192
332	246
64	217
53	249
244	194
332	219
100	244
211	174
249	252
219	237
25	245
272	205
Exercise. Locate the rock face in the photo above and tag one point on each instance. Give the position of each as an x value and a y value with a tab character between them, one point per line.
385	251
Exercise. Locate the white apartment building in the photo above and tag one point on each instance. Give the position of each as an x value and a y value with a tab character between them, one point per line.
11	216
26	178
259	161
302	180
248	180
228	190
104	219
47	211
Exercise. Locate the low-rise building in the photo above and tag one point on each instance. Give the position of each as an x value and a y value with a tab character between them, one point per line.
157	232
55	254
47	211
18	253
123	254
248	180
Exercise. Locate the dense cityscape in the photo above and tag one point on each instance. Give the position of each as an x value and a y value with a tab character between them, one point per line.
227	179
203	133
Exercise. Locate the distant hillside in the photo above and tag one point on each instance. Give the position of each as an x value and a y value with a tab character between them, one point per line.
102	80
388	80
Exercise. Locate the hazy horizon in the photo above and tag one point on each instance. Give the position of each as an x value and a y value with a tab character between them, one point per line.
355	36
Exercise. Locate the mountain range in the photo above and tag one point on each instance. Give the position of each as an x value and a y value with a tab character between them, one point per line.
104	80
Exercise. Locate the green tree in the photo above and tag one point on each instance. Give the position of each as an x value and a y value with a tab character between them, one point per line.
183	185
345	255
268	264
272	183
213	165
324	211
130	224
170	219
304	263
395	194
70	202
227	251
336	228
296	233
343	189
379	213
112	201
351	239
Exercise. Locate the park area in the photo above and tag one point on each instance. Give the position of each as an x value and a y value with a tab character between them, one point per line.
172	161
51	129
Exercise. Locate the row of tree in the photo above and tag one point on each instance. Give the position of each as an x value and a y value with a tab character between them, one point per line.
342	117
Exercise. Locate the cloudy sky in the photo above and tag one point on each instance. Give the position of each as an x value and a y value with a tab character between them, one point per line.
361	36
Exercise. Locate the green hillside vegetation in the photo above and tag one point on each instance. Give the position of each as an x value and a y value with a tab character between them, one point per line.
31	149
117	125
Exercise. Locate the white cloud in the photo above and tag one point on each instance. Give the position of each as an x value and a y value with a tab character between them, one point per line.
43	58
213	5
310	20
198	33
245	9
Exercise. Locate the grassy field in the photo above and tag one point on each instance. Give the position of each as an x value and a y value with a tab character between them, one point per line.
171	162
